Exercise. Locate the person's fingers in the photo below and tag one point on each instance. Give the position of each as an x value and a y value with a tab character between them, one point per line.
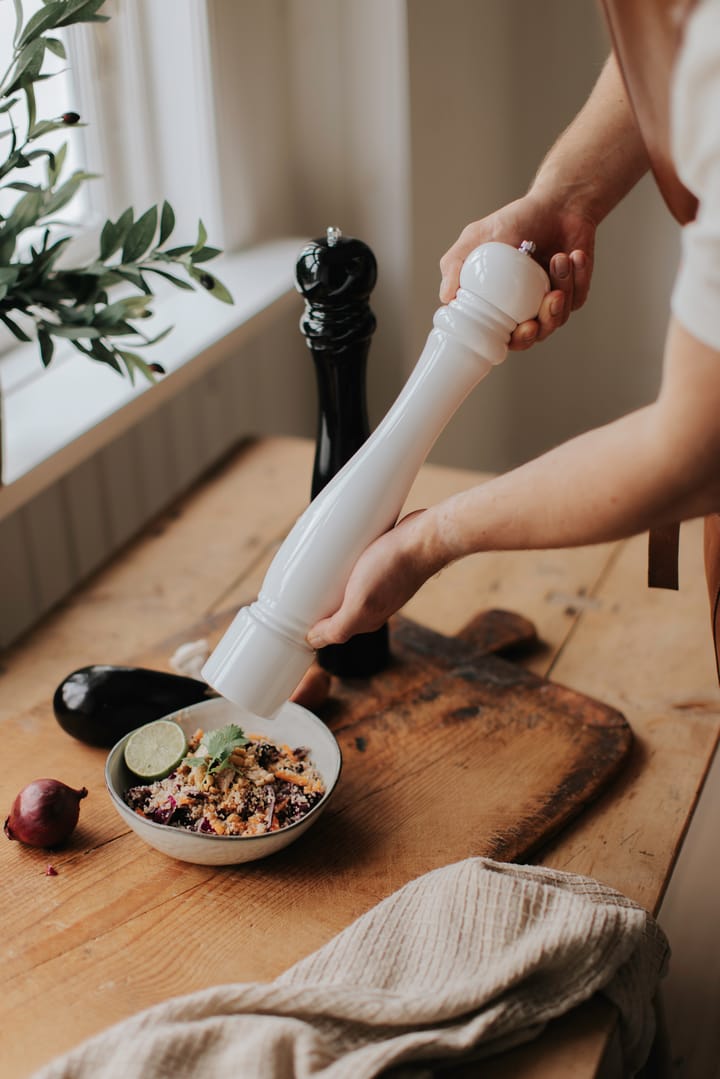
582	273
327	631
450	266
524	335
451	262
554	311
412	515
552	314
561	281
570	283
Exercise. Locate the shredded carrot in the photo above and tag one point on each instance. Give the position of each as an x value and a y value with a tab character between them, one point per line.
291	777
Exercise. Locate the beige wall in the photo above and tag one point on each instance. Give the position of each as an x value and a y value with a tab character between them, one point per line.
350	145
491	84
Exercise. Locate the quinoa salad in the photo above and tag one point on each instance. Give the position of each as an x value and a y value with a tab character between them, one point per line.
261	787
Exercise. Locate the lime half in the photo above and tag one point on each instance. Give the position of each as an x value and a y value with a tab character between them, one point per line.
155	750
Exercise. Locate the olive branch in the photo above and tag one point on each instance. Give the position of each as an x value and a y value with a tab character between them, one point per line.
73	302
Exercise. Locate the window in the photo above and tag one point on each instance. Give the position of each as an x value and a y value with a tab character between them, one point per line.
54	97
146	90
146	85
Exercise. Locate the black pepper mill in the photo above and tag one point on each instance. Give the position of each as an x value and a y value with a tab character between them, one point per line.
336	275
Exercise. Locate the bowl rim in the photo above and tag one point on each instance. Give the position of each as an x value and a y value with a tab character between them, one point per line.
164	829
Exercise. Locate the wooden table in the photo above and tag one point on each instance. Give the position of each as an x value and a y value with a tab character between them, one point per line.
98	952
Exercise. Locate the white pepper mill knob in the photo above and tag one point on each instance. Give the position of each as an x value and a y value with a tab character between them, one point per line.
264	654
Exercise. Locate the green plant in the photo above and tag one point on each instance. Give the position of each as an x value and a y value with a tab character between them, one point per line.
73	302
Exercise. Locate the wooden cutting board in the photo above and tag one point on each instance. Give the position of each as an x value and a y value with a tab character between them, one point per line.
507	756
474	753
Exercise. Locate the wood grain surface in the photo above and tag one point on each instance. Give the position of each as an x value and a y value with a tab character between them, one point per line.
449	752
122	927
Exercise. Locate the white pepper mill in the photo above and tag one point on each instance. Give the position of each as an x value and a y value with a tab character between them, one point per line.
264	654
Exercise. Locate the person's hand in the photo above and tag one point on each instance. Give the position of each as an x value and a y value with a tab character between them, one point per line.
565	244
384	578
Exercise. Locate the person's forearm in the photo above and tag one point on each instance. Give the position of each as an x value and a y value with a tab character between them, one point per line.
653	466
600	156
604	485
568	497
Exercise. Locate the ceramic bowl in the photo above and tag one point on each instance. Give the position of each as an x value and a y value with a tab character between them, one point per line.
293	725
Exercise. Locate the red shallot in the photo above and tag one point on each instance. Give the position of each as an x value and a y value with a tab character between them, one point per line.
45	813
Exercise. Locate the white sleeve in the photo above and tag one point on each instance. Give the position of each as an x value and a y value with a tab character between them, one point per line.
696	152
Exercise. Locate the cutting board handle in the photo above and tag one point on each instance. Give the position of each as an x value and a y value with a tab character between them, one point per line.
497	630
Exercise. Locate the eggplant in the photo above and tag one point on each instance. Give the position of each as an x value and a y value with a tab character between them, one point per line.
99	705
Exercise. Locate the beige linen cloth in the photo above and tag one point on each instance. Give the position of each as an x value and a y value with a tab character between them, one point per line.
463	962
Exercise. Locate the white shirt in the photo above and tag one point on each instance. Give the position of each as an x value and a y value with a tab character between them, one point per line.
695	140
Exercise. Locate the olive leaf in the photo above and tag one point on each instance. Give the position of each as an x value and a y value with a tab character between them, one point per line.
75	303
167	222
140	236
43	19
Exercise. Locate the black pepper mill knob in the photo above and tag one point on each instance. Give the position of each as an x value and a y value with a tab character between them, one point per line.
336	275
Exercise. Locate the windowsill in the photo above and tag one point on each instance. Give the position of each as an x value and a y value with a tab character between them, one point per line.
53	422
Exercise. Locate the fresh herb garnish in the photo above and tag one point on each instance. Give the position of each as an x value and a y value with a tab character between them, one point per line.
220	745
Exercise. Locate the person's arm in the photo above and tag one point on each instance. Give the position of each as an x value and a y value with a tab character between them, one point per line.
600	156
653	466
657	465
590	168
